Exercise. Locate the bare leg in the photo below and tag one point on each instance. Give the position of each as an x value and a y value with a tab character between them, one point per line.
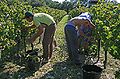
47	42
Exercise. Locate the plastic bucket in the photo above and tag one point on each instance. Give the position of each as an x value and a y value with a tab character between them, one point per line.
91	72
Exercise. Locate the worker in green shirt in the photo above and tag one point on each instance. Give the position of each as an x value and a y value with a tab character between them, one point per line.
43	23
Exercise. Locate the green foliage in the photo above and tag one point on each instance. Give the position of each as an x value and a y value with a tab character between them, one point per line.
12	23
106	17
66	5
117	75
77	11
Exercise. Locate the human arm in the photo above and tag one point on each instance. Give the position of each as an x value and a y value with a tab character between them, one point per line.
80	31
30	27
25	29
92	26
40	29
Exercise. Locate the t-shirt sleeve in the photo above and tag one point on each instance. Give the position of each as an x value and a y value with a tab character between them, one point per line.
36	22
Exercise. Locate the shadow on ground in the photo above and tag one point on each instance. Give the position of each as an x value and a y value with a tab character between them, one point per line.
9	70
64	70
117	74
